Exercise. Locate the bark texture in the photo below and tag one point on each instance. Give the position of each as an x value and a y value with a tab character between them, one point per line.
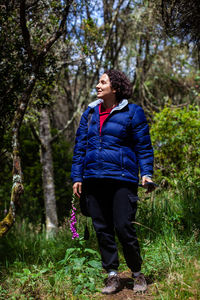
36	60
17	188
47	174
9	220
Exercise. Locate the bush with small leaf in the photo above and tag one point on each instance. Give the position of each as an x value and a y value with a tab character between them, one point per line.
83	266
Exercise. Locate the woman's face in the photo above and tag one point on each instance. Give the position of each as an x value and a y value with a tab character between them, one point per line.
104	89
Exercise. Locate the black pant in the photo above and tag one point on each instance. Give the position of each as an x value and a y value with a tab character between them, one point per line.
112	205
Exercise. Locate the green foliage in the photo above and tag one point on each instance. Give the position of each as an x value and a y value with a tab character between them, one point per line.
28	245
83	266
21	55
175	136
180	279
93	35
168	220
61	268
36	264
169	210
62	159
167	250
180	20
13	68
32	203
33	180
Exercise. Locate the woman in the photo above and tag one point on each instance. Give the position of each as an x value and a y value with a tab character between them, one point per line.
112	144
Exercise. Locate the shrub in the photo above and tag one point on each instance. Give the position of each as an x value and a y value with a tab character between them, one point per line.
175	136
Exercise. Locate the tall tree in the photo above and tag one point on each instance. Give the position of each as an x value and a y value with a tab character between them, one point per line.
120	34
47	173
182	19
36	43
98	44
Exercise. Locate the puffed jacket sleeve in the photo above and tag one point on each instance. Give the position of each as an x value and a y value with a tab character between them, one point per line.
142	142
80	149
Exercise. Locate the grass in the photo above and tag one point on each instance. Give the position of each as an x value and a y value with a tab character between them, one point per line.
181	282
32	267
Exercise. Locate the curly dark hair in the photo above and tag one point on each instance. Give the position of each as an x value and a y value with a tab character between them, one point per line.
120	83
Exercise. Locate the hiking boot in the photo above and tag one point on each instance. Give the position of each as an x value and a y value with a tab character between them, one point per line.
112	285
140	284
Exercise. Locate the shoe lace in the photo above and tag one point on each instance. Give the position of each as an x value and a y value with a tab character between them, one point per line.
112	280
139	279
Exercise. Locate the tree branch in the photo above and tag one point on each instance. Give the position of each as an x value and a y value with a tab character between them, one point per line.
25	31
111	27
36	136
58	33
19	114
54	138
76	113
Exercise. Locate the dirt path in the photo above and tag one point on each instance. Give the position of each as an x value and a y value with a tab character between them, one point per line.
127	292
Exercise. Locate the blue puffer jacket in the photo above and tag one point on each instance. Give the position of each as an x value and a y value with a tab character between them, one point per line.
123	147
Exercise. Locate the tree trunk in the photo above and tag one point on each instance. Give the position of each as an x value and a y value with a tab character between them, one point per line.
47	174
36	61
17	188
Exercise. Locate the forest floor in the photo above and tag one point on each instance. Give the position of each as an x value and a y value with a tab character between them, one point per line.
180	283
33	267
127	289
175	285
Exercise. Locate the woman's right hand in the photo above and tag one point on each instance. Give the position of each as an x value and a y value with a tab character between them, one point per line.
77	189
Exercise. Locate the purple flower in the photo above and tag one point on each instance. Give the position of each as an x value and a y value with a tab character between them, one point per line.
73	221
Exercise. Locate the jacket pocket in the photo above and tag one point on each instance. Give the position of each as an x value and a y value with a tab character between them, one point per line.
84	204
133	199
